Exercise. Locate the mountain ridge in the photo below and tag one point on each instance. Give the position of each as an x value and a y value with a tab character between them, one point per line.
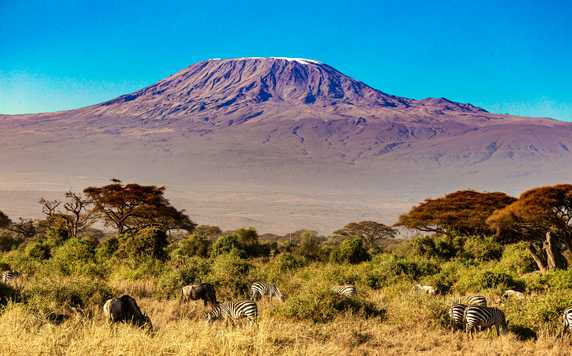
274	140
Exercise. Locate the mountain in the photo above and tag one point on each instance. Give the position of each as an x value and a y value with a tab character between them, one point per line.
278	143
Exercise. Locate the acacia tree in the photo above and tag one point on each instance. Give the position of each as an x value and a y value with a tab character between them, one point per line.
132	207
543	218
74	215
463	212
370	232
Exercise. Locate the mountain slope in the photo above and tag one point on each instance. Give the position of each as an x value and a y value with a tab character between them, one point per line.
293	138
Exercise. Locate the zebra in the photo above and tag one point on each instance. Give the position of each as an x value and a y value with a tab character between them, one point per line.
347	290
457	315
475	300
230	311
567	317
9	276
259	289
479	317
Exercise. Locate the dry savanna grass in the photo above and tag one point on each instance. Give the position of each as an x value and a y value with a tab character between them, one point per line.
410	327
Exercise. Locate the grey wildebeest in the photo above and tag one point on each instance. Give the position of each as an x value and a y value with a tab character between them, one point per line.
204	291
125	309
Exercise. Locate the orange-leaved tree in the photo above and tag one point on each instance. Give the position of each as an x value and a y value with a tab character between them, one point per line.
463	212
133	207
543	218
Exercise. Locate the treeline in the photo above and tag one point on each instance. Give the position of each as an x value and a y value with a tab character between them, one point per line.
147	225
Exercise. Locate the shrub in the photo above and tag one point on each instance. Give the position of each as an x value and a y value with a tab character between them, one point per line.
350	251
75	256
482	248
147	243
194	270
280	265
477	280
8	241
539	312
441	247
38	250
193	245
63	295
106	248
309	245
230	272
322	306
57	235
517	258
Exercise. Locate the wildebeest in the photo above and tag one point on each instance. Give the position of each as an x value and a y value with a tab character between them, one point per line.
204	291
125	309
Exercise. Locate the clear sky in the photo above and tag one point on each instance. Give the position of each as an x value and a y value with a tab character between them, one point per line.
507	56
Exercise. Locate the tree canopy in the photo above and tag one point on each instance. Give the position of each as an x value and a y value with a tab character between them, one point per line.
133	207
542	217
464	212
370	232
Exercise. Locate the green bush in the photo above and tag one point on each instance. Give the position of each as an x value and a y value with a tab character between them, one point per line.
193	270
350	251
230	272
76	256
38	250
64	295
482	248
280	265
552	280
57	235
541	313
8	241
193	245
517	258
476	280
106	249
322	306
441	247
241	242
147	243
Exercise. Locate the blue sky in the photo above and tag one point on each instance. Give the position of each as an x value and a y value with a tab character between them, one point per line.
507	56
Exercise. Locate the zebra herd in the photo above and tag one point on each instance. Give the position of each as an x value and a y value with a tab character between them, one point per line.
471	313
125	309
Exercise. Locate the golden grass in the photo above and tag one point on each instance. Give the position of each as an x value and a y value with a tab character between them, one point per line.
180	331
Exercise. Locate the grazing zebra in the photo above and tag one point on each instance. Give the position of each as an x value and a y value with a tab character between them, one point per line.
457	315
475	300
260	289
567	317
9	276
479	317
230	311
347	290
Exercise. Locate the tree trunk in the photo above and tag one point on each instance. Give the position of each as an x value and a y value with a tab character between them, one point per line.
555	258
537	257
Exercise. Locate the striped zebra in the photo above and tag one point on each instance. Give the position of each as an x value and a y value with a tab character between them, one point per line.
481	318
260	289
567	317
9	276
475	300
347	290
457	315
230	311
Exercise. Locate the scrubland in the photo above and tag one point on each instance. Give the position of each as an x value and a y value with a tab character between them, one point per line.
55	307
